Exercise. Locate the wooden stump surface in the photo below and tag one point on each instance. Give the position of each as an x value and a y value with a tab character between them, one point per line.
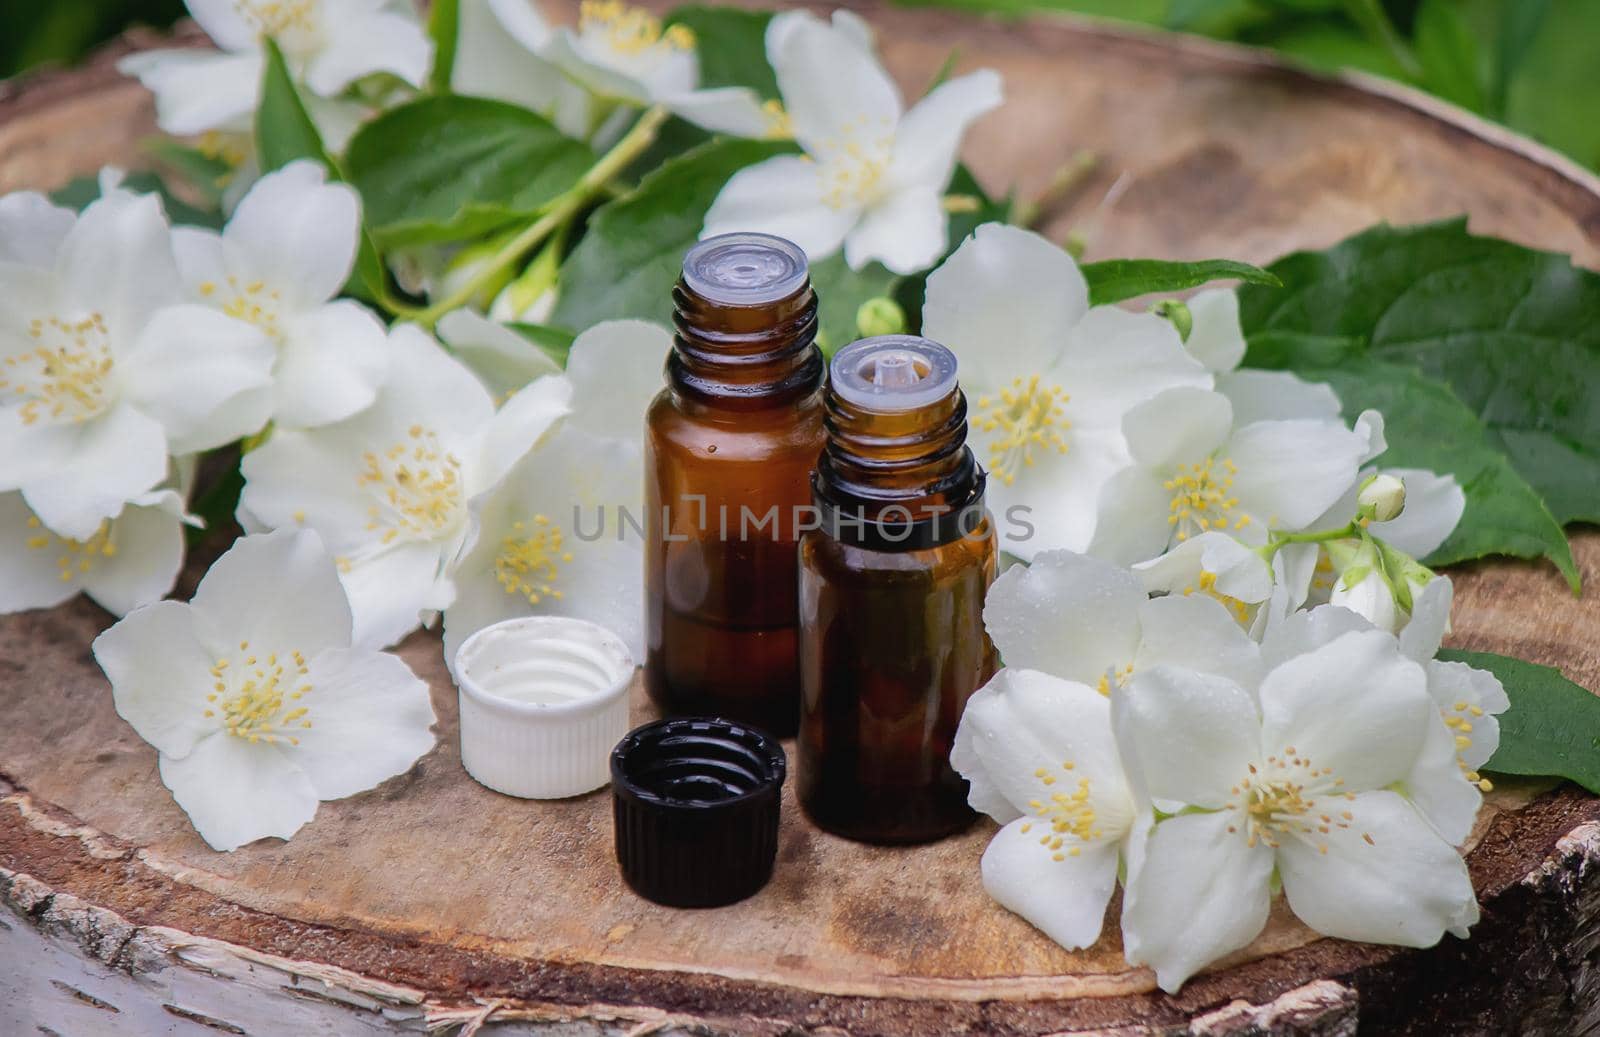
431	900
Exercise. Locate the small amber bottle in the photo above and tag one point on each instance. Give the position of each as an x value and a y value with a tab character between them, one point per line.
892	642
729	447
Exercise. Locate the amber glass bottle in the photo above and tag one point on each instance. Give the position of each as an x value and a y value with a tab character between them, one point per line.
730	443
892	642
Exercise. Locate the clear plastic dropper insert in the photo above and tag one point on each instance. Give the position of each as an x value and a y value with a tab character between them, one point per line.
891	374
745	269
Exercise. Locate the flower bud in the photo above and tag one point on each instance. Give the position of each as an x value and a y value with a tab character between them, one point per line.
880	315
1176	311
1382	497
1363	586
531	297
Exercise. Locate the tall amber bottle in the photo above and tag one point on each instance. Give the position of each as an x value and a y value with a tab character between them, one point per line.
729	447
892	642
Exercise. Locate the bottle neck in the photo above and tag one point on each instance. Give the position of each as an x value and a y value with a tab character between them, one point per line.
744	357
896	467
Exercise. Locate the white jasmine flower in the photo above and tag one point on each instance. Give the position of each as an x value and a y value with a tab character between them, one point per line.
1193	470
1049	380
502	359
254	697
495	58
1041	761
1217	565
1469	699
279	264
553	539
623	53
388	489
1216	339
32	228
1215	336
1259	395
102	377
1301	780
328	45
615	370
560	535
873	175
617	55
1446	784
132	559
1085	620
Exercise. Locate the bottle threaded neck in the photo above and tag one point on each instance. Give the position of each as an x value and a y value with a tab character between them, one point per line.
746	321
896	420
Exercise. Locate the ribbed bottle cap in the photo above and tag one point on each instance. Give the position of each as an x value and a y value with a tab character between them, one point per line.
893	373
745	269
543	700
696	805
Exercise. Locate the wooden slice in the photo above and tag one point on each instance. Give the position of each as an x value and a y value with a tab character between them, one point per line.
431	901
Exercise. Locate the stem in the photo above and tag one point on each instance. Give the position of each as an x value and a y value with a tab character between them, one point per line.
1063	183
560	212
1351	529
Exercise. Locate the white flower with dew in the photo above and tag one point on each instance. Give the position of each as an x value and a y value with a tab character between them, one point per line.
104	371
279	264
255	699
1217	565
389	488
1298	781
327	44
132	559
1446	784
1048	379
1194	470
873	175
1085	620
1039	756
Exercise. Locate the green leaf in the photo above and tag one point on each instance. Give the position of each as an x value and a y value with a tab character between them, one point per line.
1448	51
1519	28
284	129
1428	427
285	132
1553	726
85	189
1329	46
449	168
1514	333
1114	280
444	26
632	252
732	47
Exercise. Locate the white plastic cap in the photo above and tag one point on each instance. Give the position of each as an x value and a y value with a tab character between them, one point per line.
544	699
745	269
893	373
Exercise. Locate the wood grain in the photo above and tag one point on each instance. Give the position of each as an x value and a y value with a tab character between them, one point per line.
434	885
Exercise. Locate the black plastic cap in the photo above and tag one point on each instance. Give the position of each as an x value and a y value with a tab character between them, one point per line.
695	804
